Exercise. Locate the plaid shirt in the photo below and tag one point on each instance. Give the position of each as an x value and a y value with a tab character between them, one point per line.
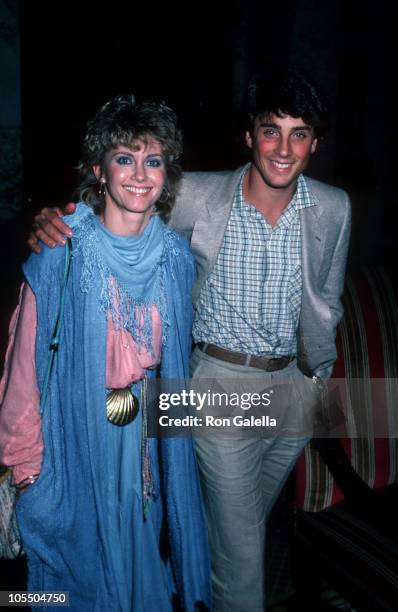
251	300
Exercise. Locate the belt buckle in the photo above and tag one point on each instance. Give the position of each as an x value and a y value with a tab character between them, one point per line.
277	363
248	360
266	364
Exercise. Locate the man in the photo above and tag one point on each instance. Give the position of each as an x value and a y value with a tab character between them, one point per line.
270	248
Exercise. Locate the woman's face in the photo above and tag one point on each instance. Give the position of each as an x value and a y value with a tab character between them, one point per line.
134	179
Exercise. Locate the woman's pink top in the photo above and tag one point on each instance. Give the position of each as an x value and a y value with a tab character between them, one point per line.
21	442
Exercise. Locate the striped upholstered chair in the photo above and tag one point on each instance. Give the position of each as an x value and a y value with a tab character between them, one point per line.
347	491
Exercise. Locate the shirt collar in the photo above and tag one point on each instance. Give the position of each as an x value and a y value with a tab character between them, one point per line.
239	200
302	198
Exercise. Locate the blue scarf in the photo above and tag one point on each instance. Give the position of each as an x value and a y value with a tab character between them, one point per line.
134	259
130	271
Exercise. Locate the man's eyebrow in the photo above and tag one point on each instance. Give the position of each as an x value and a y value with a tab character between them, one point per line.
301	128
267	124
298	128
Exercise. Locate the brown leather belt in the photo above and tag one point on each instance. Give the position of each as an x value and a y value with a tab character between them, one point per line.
268	364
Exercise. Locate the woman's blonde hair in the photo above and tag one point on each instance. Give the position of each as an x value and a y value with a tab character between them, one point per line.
123	121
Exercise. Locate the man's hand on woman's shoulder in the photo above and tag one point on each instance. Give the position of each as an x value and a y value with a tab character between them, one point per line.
49	227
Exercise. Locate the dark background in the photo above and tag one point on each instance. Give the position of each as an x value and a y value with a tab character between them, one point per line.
199	57
73	56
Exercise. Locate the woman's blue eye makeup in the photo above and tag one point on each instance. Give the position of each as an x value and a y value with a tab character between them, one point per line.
124	160
154	163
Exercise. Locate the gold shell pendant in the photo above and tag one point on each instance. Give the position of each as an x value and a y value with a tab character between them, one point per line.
121	406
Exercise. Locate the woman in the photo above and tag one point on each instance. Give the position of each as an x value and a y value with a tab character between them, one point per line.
106	513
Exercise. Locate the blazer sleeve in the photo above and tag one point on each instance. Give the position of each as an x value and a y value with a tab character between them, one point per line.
334	284
184	212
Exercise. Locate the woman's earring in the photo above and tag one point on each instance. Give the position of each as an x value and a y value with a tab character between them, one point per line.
164	196
102	188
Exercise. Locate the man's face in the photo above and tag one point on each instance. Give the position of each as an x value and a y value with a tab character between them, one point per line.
281	148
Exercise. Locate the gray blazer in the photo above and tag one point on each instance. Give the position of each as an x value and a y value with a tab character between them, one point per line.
201	213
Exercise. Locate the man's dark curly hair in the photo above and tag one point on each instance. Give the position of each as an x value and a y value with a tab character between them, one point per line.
123	121
286	92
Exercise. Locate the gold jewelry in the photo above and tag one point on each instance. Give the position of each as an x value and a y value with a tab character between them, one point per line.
164	196
102	188
121	406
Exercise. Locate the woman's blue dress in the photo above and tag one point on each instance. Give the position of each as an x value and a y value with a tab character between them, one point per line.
82	522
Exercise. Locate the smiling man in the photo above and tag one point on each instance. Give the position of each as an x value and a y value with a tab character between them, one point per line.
281	148
270	248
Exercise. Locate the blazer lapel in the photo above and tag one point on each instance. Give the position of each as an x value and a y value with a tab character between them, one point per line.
312	243
208	232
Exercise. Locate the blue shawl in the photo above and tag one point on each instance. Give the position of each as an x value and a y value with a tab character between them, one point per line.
67	521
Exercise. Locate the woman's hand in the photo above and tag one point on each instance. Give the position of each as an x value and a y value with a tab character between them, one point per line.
49	227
